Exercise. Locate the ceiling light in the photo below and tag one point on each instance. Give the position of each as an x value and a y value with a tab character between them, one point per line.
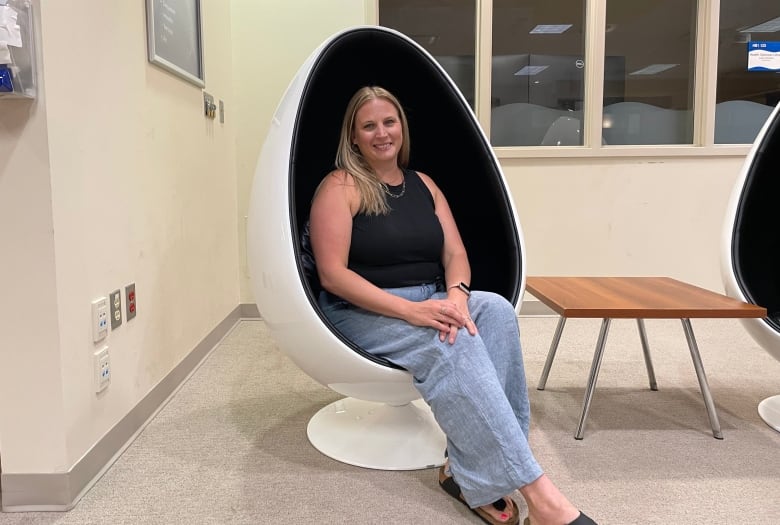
770	26
550	29
530	71
653	69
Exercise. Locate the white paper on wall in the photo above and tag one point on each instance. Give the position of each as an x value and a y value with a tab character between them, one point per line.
5	53
10	33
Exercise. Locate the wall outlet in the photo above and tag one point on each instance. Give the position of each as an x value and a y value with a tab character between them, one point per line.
99	319
130	301
102	366
115	305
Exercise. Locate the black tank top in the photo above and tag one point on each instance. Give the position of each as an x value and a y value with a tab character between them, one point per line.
404	247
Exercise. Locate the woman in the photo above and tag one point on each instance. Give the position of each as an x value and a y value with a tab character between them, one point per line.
396	275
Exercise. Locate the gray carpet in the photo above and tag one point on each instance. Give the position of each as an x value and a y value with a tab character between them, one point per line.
231	446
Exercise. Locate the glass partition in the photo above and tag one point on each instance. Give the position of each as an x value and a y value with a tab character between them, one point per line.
748	85
445	28
649	72
538	73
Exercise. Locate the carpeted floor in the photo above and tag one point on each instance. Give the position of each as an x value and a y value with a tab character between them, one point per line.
231	446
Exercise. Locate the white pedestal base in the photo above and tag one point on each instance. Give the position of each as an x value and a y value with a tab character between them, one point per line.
377	435
769	410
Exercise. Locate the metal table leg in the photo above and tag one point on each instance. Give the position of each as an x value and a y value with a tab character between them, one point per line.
594	373
646	350
551	354
705	389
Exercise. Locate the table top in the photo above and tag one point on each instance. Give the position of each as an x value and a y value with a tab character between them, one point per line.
636	298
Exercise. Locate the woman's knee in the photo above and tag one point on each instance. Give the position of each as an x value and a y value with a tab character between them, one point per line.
494	304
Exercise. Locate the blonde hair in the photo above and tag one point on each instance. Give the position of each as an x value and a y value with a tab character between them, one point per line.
349	158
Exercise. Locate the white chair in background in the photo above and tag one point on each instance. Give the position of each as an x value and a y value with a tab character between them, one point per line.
381	423
750	256
564	131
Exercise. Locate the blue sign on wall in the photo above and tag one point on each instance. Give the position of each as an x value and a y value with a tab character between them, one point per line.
763	56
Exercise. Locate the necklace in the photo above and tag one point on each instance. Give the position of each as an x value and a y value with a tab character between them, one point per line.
395	195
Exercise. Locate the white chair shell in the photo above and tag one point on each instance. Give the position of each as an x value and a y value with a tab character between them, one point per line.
299	150
750	249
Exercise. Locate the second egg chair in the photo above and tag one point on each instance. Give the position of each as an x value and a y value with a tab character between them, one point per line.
750	258
381	423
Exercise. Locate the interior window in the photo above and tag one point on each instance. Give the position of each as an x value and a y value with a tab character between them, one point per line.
445	28
538	72
748	68
649	72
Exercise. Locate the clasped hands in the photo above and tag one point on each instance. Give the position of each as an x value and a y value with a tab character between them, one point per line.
446	316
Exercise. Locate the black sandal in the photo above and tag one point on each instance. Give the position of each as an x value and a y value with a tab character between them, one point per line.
447	482
582	519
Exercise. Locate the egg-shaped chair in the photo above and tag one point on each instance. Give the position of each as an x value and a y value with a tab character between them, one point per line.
382	422
750	258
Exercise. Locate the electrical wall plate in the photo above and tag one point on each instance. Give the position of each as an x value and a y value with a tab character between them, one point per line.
130	301
99	319
115	307
102	365
209	108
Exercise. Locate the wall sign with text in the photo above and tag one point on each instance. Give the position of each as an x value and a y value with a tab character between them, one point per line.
763	56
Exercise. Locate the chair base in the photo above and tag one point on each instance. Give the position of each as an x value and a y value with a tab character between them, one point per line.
377	435
769	410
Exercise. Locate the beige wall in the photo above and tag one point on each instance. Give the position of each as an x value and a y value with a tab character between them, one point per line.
113	177
271	39
31	431
639	216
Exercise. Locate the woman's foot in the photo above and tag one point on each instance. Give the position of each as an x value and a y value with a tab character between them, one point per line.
547	505
501	512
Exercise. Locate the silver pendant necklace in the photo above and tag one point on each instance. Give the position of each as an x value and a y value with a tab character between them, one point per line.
395	195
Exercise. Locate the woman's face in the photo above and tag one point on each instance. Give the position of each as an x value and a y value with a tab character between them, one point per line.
377	131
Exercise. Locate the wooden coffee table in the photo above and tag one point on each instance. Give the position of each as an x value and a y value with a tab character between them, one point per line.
634	298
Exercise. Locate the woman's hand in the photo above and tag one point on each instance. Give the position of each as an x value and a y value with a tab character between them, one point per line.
445	315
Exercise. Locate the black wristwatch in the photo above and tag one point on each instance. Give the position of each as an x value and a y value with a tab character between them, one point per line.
463	287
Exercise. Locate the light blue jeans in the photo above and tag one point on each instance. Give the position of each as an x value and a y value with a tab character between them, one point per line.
476	387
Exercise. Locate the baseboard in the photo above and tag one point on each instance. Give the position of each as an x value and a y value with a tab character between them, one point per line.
535	308
62	491
249	311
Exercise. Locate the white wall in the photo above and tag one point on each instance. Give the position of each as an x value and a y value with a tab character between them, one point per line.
128	183
31	411
641	216
271	39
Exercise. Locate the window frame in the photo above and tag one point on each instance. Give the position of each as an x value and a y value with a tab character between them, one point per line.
704	89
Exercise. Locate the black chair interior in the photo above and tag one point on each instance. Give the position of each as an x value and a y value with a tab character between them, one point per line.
756	241
446	144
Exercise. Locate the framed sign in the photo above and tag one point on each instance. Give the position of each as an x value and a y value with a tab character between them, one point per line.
763	56
175	39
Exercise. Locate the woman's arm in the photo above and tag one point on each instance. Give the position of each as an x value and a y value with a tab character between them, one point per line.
454	257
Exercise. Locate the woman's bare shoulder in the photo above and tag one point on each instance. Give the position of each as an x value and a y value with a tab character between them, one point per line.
338	178
428	181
